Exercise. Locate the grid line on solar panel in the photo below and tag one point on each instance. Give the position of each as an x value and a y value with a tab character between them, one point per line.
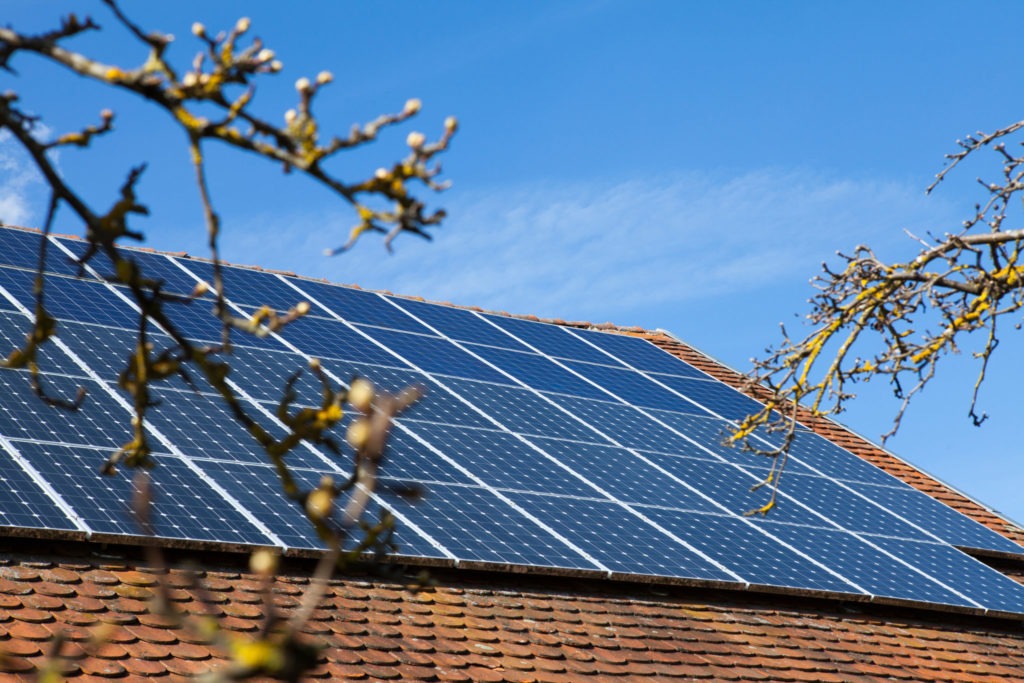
153	266
643	355
865	563
455	323
404	426
184	506
975	580
20	248
550	340
98	422
481	525
27	500
123	403
68	298
357	306
937	518
623	540
757	556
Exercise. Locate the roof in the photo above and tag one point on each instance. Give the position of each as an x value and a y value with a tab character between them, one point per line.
496	625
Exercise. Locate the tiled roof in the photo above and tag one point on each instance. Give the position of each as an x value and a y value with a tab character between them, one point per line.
475	627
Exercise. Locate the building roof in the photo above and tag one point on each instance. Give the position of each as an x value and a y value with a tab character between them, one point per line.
495	625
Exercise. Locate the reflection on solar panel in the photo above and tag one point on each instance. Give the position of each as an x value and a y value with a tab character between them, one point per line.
538	445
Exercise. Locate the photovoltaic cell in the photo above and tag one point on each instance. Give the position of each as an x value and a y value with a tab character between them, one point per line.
476	525
21	249
22	503
501	460
871	569
624	475
538	372
587	432
436	405
521	410
98	422
845	507
202	427
711	432
943	521
552	340
435	355
634	388
965	574
323	338
408	459
639	353
13	329
248	287
459	324
357	306
753	555
85	301
619	540
717	397
184	506
626	425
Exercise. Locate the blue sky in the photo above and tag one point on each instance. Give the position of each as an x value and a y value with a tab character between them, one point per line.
672	165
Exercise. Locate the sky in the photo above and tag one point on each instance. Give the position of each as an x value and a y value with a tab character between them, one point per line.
674	165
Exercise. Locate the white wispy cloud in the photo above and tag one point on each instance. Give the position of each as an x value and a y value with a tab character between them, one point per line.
605	249
21	185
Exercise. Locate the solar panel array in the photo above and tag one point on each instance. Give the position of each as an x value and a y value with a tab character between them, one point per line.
538	445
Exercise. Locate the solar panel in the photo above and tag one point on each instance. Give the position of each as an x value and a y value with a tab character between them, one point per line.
537	445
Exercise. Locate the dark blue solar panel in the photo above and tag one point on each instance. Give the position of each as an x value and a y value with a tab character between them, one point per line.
14	327
635	388
502	460
22	502
753	555
407	458
730	487
625	476
184	506
98	422
163	268
459	324
715	396
249	287
626	425
323	338
874	571
941	520
619	540
474	524
357	306
538	372
437	404
262	374
436	355
710	432
639	353
71	299
552	340
522	411
201	426
21	248
832	461
960	572
846	508
258	489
